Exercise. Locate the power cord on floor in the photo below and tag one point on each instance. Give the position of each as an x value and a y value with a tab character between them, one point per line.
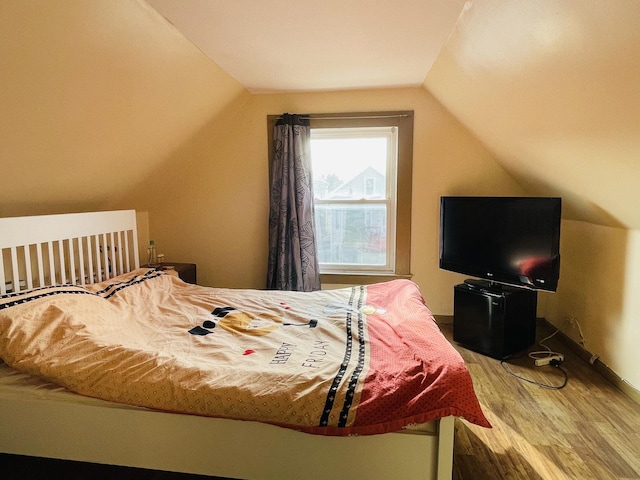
546	357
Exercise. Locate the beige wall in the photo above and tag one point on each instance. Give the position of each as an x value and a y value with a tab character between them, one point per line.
214	209
597	303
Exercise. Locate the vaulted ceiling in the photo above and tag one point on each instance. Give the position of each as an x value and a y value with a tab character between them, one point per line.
551	88
328	45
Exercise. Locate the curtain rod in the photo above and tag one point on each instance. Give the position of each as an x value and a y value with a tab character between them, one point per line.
355	117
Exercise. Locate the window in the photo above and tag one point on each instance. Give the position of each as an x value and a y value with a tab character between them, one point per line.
355	221
362	166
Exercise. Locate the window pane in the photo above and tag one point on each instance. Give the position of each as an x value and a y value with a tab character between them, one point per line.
351	171
354	234
349	167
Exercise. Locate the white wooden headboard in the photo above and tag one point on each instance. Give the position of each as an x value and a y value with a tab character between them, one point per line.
76	248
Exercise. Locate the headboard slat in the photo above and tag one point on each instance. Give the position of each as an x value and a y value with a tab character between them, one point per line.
81	260
14	270
27	257
111	254
119	243
72	263
63	264
98	259
52	267
40	263
105	256
3	285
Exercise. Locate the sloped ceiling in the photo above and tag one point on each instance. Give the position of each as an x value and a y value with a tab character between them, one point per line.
93	97
551	88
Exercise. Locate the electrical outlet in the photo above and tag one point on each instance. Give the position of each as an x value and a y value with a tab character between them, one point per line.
567	324
547	360
572	329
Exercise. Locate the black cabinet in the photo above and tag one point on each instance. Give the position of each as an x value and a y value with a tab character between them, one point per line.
494	320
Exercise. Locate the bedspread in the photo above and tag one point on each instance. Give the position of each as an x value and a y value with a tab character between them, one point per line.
358	360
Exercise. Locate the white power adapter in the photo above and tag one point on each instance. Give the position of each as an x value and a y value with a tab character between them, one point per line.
558	357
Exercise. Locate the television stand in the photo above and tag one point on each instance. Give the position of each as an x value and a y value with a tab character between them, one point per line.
492	319
484	284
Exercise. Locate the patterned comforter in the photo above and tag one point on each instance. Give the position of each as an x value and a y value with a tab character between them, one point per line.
361	360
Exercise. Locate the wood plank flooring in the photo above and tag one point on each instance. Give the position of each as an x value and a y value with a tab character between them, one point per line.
586	430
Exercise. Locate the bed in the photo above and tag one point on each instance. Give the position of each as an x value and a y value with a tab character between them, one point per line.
104	361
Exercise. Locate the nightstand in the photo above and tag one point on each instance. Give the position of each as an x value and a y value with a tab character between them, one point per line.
186	271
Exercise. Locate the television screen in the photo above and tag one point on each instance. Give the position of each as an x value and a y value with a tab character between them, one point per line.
508	240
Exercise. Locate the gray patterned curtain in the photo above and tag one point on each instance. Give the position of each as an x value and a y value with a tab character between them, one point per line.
293	261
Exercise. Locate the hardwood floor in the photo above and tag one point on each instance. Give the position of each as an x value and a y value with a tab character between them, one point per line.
586	430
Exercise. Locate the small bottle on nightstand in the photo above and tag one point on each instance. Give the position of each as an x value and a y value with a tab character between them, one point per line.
152	256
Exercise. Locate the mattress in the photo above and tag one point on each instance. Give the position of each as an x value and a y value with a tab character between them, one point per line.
16	385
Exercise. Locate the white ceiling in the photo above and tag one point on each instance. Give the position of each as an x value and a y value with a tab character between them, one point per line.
307	45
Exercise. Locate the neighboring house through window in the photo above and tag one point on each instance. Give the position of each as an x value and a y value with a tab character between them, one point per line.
362	164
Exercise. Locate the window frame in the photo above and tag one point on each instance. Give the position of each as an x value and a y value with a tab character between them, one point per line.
403	121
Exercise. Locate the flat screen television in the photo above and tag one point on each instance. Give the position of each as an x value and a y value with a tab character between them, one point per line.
502	240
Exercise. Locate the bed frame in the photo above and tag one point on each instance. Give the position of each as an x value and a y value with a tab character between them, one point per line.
84	248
